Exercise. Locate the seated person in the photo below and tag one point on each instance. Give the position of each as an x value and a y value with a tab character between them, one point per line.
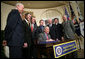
45	36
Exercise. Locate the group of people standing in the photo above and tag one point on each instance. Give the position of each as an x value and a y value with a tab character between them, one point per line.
22	34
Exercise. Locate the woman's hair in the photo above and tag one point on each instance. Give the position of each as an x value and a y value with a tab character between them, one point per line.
26	15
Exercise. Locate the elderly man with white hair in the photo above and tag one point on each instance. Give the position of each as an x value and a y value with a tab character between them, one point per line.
14	33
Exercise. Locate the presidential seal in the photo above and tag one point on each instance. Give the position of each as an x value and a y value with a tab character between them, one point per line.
59	50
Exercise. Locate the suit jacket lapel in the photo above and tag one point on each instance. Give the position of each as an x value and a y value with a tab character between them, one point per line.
48	36
45	36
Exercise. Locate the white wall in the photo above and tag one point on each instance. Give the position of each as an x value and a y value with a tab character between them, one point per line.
5	9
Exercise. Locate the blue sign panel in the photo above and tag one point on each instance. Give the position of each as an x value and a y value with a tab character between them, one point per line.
47	42
64	48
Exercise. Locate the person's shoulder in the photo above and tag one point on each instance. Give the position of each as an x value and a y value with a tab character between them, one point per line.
70	20
53	24
14	11
59	24
43	26
42	33
24	21
38	27
35	25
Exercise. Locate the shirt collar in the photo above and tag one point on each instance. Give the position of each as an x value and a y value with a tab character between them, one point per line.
26	20
56	23
50	25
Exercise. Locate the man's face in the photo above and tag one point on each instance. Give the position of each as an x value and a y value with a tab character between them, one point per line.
33	20
41	22
20	8
50	21
56	21
29	16
47	30
64	18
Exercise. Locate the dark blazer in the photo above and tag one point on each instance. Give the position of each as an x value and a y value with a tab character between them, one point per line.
27	36
40	30
34	31
77	28
52	32
14	33
59	31
34	34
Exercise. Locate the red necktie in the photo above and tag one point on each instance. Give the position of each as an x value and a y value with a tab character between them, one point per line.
31	28
47	37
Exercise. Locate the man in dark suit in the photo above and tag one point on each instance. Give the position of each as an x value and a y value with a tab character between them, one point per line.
51	28
58	30
40	28
33	27
27	36
14	33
